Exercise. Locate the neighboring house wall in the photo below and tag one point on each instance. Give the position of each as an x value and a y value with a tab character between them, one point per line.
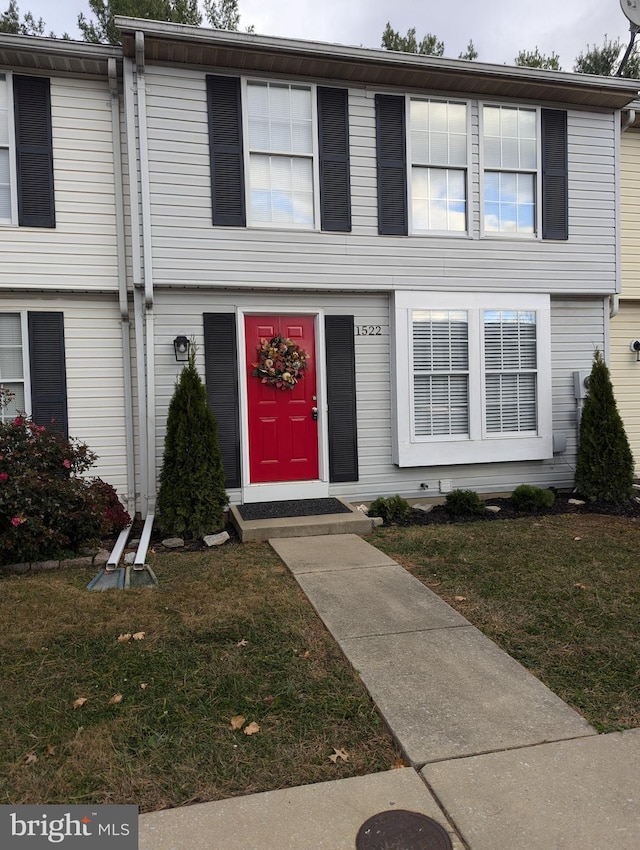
625	327
69	272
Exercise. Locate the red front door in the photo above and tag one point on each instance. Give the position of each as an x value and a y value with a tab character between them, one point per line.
283	432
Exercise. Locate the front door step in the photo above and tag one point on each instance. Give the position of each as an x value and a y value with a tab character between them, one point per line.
349	521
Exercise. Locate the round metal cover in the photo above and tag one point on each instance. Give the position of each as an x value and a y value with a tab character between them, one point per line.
402	830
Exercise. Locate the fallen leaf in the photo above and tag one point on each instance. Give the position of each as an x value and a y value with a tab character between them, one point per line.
238	722
30	757
115	699
339	754
306	654
139	635
459	598
268	700
50	750
79	702
144	685
251	729
398	763
580	586
124	638
577	538
243	642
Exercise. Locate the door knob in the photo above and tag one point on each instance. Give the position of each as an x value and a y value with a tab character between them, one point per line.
314	413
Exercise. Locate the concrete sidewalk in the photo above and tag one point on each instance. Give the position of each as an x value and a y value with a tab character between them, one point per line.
497	759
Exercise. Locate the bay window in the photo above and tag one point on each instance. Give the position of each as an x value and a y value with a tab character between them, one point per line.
472	378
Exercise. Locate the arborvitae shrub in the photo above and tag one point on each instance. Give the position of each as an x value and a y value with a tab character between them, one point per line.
528	498
604	466
390	508
192	496
464	503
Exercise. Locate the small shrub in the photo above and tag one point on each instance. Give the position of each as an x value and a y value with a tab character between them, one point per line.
115	518
46	508
464	503
390	508
531	499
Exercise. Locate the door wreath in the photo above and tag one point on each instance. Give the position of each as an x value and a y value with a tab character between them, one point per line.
281	363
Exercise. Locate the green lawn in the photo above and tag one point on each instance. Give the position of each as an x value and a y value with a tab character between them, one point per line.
227	634
559	593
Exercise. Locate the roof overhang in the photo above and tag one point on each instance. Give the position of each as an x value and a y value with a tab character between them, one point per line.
251	53
56	54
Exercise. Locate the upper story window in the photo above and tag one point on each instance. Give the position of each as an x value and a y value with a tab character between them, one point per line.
438	155
26	152
511	170
7	215
281	152
522	169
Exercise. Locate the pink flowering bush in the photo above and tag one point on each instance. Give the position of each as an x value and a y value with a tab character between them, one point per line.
46	508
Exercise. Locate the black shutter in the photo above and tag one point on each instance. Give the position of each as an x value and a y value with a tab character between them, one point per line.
391	154
341	397
221	374
47	371
225	150
34	151
555	175
333	138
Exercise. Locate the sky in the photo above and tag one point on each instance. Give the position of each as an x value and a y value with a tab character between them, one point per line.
499	28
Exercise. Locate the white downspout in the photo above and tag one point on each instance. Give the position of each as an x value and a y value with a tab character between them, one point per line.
122	287
147	257
136	269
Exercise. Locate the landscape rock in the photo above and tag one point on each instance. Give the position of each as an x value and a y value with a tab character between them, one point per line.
216	539
45	565
576	502
101	557
173	543
426	509
376	521
493	509
74	562
129	557
363	508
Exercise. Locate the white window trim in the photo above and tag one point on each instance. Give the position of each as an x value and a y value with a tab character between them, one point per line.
26	369
11	146
478	447
455	234
492	234
315	165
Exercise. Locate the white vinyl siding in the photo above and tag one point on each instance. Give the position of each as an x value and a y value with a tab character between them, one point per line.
438	156
511	177
14	364
493	384
280	141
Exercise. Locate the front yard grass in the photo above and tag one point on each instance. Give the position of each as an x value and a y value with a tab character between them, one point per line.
227	634
559	593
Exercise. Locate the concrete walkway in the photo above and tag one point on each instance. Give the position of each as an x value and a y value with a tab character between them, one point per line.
497	759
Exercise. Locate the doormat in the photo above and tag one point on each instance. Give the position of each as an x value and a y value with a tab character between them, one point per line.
292	508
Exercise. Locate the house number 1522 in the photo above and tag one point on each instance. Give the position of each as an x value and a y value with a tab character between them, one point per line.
368	330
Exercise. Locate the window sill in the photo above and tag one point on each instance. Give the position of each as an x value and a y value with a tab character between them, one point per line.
456	452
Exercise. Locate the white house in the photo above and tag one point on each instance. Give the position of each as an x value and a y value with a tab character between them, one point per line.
440	237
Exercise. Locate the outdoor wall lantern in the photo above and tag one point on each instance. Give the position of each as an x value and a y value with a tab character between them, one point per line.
181	346
635	347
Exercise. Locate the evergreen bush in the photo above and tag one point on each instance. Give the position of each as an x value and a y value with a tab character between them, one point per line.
604	466
464	503
390	508
531	499
192	496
